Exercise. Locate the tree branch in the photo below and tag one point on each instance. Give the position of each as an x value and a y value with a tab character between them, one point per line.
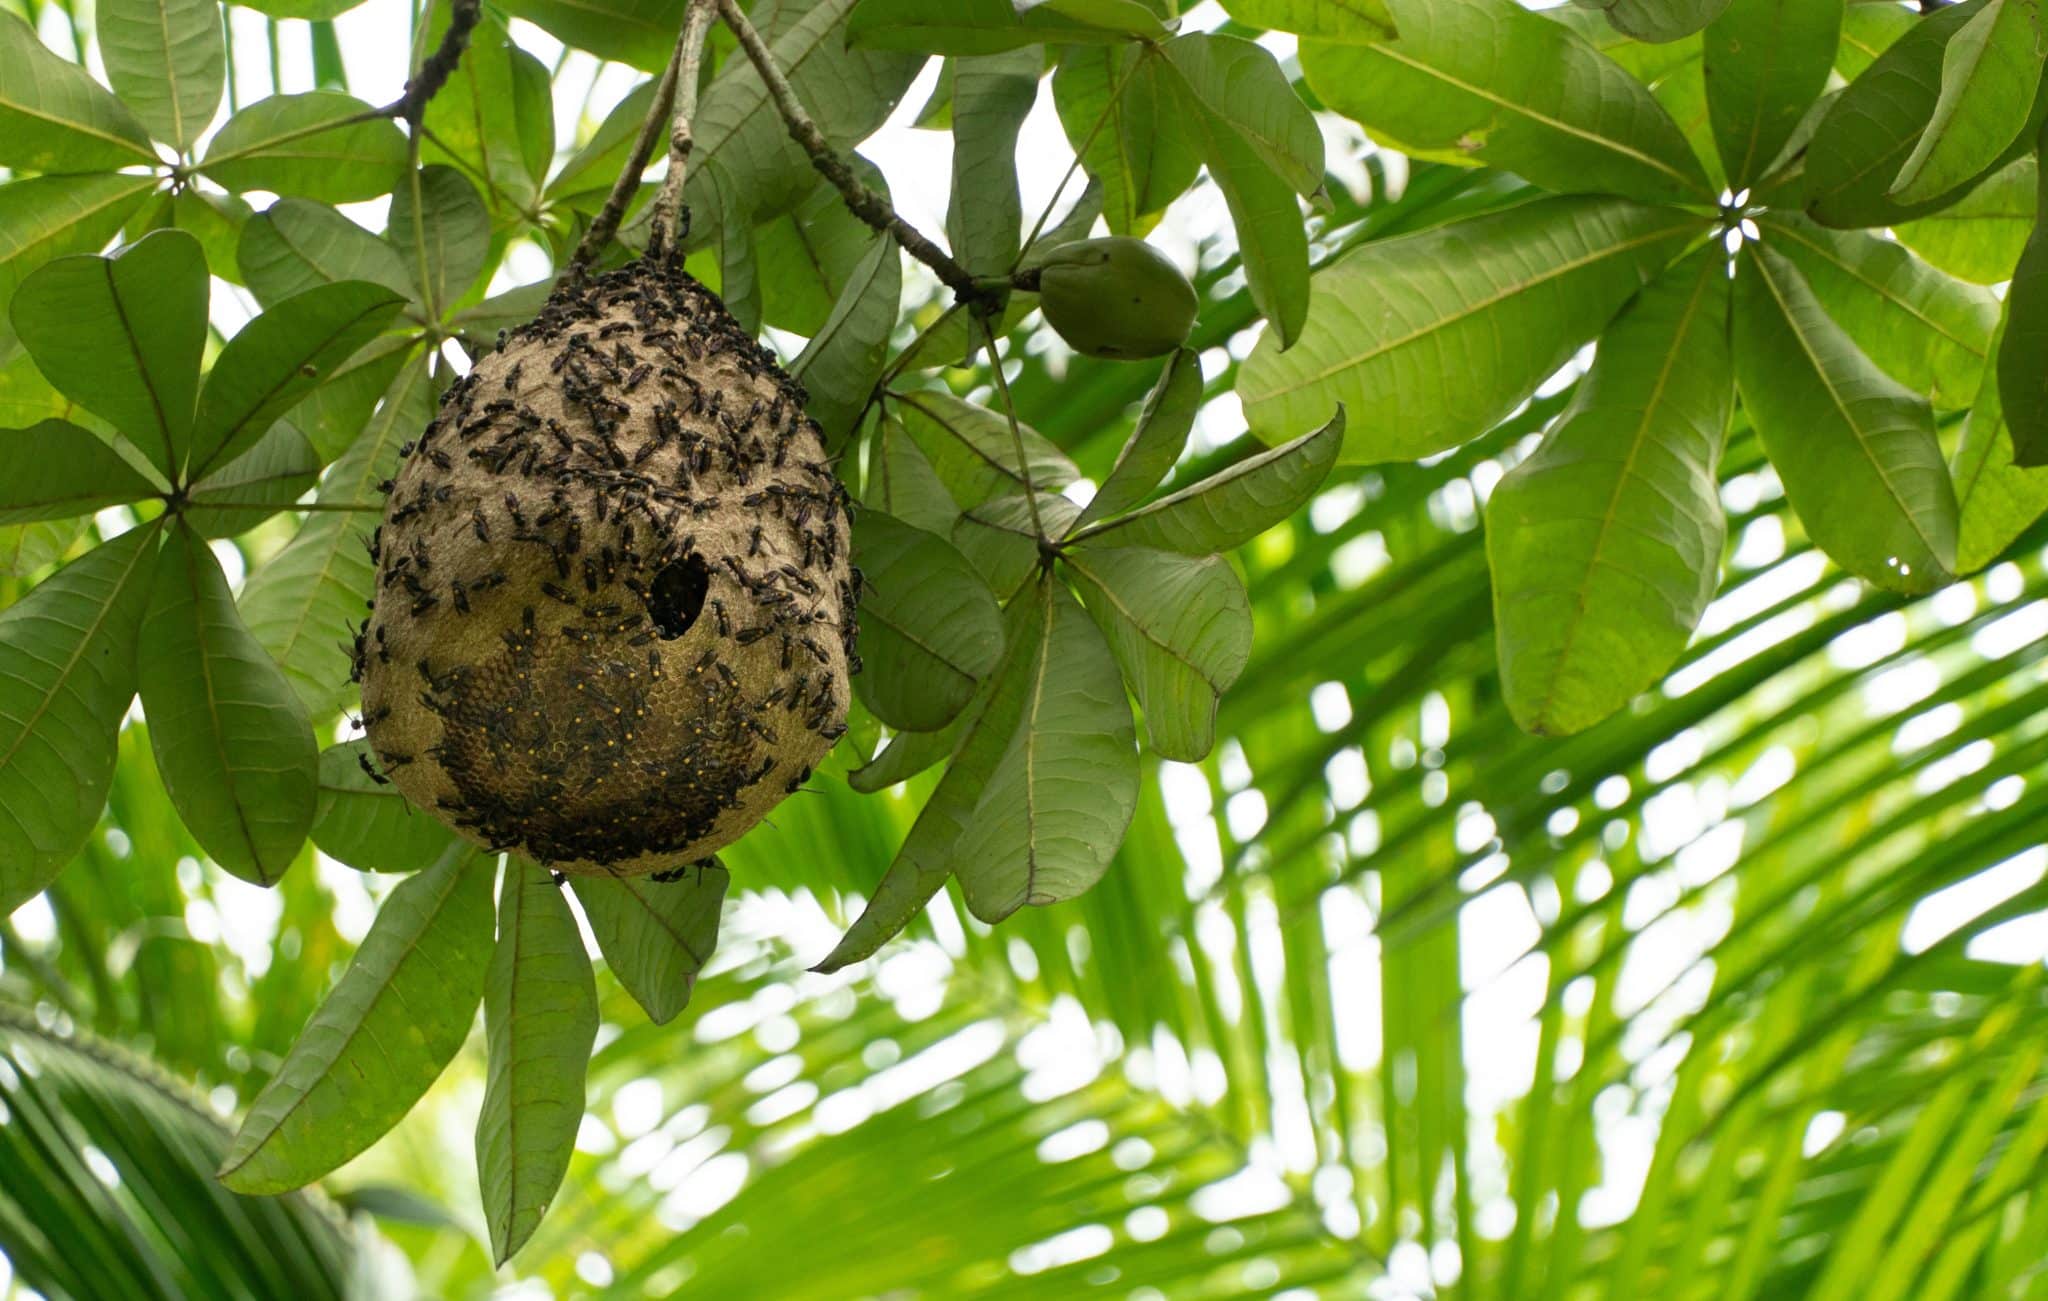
864	203
606	223
437	67
670	219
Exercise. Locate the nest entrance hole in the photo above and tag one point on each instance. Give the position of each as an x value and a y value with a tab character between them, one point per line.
676	597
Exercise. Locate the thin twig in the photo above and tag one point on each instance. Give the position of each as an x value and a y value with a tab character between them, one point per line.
606	224
995	363
864	203
670	219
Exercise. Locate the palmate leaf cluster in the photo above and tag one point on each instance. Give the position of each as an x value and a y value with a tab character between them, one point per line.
1009	628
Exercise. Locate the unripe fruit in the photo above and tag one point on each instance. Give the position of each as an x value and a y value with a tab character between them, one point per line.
614	609
1118	298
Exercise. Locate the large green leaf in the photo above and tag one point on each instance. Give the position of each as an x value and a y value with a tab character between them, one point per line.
540	1020
493	118
67	673
1605	545
1181	630
1156	441
231	739
304	604
1980	236
1658	21
309	146
1764	61
656	935
902	482
991	95
972	27
1055	806
1504	86
929	629
278	358
54	117
366	823
1430	338
295	245
1127	129
1353	20
44	217
1856	452
1995	498
398	1014
1990	74
259	483
639	32
973	450
1232	506
2022	377
841	364
442	233
1927	330
1868	30
55	470
167	61
806	257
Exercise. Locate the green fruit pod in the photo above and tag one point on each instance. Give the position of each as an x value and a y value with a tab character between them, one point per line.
1118	298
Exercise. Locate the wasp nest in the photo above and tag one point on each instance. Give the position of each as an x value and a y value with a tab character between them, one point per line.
614	610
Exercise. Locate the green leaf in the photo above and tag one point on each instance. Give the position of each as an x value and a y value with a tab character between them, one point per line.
483	119
369	825
398	1015
806	257
1765	61
1509	88
1981	235
67	673
1156	441
1141	153
1243	87
929	629
926	857
1868	30
1232	506
442	234
587	176
295	245
122	335
311	10
1929	331
901	482
540	1022
2022	378
1990	74
278	358
45	217
841	364
639	32
1000	536
1855	451
166	60
262	481
991	95
215	220
334	415
1057	803
1658	21
304	604
307	146
1362	21
1181	630
1996	499
1605	544
233	743
972	27
1510	295
55	470
54	117
907	755
655	935
972	450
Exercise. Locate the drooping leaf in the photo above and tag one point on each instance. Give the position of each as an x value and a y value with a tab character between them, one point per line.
398	1015
901	482
54	117
441	232
278	358
1056	804
2022	376
484	120
1605	545
930	630
656	935
907	755
307	146
232	741
1980	236
972	449
1855	450
1929	331
45	217
1510	296
1156	441
1995	498
806	257
1658	21
540	1020
1233	506
991	95
121	336
639	32
1181	630
1764	61
974	27
369	825
1126	127
1507	87
55	470
1356	20
259	483
295	245
1990	75
841	364
167	61
67	673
